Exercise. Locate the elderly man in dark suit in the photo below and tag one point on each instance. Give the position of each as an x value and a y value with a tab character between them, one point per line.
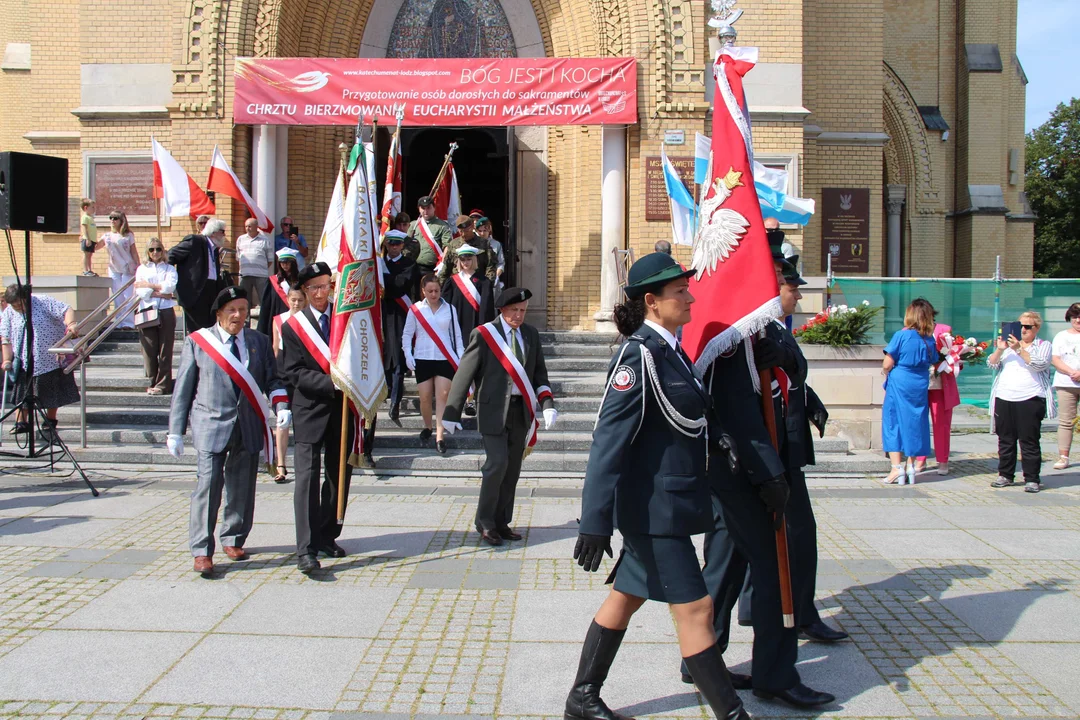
197	259
226	373
505	361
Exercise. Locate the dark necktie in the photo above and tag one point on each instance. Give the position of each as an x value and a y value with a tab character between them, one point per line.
234	348
324	325
516	348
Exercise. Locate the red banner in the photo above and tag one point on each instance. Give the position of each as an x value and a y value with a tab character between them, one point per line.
442	92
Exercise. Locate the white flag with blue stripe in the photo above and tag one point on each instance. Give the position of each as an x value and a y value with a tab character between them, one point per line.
771	186
683	207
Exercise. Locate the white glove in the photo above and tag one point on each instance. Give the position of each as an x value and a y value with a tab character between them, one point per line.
550	416
410	363
451	427
175	443
284	418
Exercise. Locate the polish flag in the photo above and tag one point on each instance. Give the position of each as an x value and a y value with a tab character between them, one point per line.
223	180
447	198
181	194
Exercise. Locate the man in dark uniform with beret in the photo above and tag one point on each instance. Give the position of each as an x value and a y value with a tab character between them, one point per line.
417	247
505	361
747	509
398	282
317	404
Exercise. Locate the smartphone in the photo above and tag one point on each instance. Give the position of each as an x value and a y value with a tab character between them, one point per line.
295	229
1010	328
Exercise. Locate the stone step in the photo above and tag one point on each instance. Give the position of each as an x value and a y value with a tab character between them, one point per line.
390	460
559	363
551	350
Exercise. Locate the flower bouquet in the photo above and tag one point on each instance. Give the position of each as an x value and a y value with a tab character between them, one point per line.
839	326
955	350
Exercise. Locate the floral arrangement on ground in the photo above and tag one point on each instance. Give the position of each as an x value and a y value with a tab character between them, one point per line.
840	325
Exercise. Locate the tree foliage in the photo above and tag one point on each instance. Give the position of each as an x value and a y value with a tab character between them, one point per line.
1053	190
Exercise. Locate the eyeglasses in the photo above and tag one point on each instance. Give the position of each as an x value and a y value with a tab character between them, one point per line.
1026	327
156	250
317	288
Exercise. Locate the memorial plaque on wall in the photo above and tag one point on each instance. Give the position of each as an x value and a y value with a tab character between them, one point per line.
845	229
657	205
125	186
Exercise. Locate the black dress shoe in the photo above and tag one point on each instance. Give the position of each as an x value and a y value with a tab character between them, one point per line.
440	447
799	696
490	537
332	549
425	434
395	415
307	564
822	633
507	534
738	680
470	409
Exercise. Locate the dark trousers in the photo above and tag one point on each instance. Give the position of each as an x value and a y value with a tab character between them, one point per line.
501	470
198	316
157	350
315	508
743	533
368	440
1019	421
395	380
803	551
231	472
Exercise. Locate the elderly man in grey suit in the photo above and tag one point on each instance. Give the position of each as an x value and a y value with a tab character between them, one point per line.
505	361
227	372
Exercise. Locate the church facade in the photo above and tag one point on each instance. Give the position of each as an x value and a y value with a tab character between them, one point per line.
902	119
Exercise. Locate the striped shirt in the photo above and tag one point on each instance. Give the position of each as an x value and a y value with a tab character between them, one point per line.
1040	369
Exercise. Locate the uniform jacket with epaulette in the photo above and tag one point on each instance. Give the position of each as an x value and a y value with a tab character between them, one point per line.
646	472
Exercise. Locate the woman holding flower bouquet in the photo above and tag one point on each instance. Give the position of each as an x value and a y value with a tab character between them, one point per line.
944	394
905	416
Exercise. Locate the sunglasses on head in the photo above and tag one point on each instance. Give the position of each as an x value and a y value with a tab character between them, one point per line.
462	226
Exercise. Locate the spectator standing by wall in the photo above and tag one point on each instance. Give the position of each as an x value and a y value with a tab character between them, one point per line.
155	283
88	237
905	415
1020	398
1065	357
123	259
944	395
255	255
290	237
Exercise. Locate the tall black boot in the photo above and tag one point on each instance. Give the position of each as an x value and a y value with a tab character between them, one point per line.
711	677
597	654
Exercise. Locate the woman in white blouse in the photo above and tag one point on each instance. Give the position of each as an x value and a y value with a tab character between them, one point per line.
155	283
123	259
1020	398
432	366
1066	361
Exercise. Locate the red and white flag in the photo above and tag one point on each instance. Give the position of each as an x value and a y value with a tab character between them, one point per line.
223	180
735	283
447	198
391	204
181	194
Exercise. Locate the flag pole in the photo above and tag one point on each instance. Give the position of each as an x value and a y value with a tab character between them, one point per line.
442	170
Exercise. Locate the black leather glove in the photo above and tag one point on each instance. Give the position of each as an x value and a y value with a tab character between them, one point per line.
774	493
590	550
819	417
726	444
767	353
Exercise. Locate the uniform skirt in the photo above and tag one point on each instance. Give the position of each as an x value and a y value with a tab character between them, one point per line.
427	369
661	568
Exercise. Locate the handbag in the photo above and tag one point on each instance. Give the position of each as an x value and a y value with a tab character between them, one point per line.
147	317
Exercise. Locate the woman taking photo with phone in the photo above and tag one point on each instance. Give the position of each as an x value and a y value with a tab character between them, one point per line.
1020	398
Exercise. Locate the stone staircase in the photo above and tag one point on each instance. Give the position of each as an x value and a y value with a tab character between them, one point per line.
128	427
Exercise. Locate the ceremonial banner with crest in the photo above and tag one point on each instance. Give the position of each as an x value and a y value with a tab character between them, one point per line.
734	283
356	327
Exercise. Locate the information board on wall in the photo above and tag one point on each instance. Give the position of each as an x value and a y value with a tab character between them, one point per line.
657	205
845	229
124	186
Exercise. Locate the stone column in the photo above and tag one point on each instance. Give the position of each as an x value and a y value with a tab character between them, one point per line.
612	219
281	176
895	195
263	176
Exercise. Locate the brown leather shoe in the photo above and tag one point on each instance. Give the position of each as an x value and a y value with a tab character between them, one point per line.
507	534
491	537
204	565
235	553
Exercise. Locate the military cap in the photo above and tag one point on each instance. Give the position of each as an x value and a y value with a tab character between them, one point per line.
394	237
481	221
653	270
791	272
509	296
466	249
314	270
226	296
287	253
425	201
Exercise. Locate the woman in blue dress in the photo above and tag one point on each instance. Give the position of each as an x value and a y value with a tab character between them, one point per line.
905	417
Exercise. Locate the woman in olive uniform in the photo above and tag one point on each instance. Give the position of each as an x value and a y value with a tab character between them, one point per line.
647	476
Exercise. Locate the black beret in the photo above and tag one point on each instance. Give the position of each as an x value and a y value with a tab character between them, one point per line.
226	296
314	270
509	296
425	201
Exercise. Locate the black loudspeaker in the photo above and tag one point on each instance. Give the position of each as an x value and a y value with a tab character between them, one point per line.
33	192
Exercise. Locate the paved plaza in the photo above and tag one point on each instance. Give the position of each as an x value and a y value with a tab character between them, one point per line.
961	601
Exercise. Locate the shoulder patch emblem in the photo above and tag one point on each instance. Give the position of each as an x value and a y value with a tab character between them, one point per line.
623	378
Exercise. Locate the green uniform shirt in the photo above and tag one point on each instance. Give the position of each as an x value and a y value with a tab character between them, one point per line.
440	231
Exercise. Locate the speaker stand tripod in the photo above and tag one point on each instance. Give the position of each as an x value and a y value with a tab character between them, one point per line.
30	403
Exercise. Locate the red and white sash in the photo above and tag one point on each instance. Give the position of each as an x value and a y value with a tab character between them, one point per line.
212	346
312	338
281	288
425	233
422	311
468	289
493	336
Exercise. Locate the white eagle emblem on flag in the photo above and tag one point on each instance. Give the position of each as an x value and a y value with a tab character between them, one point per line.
721	227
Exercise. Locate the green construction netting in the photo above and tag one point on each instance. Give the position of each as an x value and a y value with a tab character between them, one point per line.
974	308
